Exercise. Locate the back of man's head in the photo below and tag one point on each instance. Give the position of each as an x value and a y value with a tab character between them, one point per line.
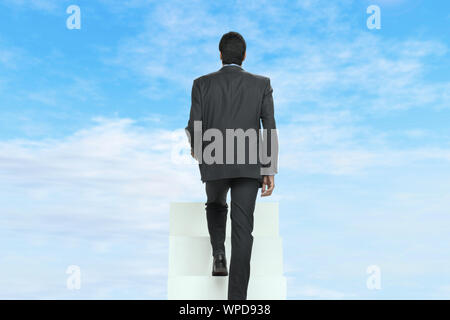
232	46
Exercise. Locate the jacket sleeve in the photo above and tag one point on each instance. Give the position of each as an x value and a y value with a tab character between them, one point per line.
192	131
270	146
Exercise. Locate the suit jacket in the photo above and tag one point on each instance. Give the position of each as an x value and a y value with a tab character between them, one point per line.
232	98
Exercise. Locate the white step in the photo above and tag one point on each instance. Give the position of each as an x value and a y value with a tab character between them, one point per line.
189	219
216	288
192	256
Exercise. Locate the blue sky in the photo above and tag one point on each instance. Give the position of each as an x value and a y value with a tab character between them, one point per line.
90	117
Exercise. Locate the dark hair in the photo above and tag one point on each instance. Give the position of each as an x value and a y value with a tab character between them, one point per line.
232	46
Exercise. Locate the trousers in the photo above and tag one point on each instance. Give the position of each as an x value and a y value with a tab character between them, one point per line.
243	197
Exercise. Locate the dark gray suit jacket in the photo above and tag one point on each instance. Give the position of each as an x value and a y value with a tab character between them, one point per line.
232	98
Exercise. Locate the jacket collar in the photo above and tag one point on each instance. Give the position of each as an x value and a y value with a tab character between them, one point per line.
231	68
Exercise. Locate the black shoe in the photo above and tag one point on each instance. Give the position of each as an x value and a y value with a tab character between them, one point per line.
220	265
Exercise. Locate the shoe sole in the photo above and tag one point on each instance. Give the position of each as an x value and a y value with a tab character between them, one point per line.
220	272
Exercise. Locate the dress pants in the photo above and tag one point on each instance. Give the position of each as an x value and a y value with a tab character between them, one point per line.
243	197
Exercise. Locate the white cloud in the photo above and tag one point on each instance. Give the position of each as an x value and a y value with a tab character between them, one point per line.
111	174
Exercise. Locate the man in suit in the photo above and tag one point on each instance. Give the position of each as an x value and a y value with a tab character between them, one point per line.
228	106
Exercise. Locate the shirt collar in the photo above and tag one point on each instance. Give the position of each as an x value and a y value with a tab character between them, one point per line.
232	64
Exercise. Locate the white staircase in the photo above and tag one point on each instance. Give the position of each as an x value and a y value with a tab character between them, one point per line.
190	255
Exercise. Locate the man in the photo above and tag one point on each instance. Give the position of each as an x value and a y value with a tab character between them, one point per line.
228	105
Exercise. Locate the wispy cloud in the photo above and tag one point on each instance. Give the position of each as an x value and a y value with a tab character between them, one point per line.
105	164
349	68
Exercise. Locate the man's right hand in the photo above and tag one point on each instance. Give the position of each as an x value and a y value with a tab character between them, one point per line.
268	186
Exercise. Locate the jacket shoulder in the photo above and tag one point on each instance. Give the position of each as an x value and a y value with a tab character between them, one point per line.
206	76
257	78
